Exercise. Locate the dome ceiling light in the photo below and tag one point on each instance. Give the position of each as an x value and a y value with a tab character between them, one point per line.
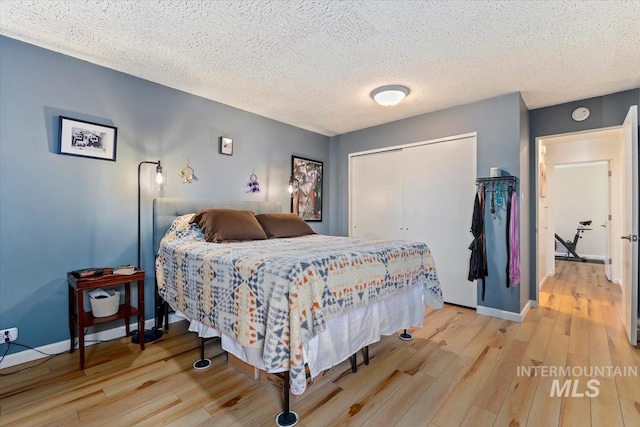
389	95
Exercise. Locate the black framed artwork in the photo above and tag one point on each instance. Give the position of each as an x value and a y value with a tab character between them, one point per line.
306	200
87	139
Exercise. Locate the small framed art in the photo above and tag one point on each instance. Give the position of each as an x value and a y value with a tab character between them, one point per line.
306	200
86	139
226	145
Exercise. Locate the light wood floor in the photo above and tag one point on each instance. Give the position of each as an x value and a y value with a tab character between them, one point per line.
460	370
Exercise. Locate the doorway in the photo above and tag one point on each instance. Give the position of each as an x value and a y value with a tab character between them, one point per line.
580	209
619	147
571	155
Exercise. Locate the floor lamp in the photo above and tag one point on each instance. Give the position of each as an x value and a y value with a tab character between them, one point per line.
158	183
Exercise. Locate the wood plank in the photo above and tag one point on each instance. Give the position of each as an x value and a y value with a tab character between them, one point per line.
545	410
605	407
537	347
356	389
630	412
556	357
478	417
499	381
576	411
399	402
487	335
458	343
432	399
564	316
516	405
359	412
460	401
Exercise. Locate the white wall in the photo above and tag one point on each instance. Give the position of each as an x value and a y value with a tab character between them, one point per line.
580	192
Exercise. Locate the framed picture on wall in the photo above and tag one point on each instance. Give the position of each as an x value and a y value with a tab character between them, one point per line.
226	145
87	139
306	199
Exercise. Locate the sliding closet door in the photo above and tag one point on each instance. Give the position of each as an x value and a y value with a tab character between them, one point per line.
375	195
439	188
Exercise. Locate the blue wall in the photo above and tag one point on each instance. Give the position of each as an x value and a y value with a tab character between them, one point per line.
606	111
497	123
60	213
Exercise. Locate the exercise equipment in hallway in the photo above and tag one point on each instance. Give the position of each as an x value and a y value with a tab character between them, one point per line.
571	246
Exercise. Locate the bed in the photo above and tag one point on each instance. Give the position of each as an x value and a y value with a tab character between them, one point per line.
286	304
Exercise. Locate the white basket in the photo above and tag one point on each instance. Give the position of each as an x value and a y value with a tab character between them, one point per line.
105	306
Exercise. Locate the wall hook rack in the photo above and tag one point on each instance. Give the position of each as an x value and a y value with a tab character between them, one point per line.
490	184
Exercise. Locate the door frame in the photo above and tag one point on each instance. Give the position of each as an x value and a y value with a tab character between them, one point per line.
538	158
542	240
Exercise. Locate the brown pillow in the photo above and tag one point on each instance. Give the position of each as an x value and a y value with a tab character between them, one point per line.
278	225
223	225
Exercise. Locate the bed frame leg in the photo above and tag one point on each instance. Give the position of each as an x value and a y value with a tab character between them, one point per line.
366	355
202	363
405	336
286	418
354	362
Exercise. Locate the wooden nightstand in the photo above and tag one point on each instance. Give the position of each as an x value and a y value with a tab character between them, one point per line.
81	319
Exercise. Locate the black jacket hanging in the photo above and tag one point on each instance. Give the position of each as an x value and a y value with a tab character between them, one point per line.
478	260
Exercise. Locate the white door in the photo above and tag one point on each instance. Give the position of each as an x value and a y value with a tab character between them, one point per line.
439	189
630	225
607	227
375	195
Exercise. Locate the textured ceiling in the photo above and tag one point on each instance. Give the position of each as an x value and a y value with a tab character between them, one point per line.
312	64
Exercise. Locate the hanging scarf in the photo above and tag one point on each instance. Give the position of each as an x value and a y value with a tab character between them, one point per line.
513	242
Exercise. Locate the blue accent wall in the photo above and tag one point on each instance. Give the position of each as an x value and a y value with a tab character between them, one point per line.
497	123
606	111
60	213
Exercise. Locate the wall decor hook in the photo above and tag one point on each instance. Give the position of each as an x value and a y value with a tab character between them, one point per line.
187	174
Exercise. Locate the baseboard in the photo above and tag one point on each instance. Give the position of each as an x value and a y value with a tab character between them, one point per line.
506	315
63	346
544	279
588	256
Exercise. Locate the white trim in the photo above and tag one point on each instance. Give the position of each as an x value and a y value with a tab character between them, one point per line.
506	315
580	132
544	279
63	346
415	144
587	256
534	302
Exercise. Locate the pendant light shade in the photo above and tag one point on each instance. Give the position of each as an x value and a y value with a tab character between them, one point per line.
389	95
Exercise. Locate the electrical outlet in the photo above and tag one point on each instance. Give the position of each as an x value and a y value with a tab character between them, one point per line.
11	334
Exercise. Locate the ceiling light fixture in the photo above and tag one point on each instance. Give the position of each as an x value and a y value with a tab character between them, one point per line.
389	95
